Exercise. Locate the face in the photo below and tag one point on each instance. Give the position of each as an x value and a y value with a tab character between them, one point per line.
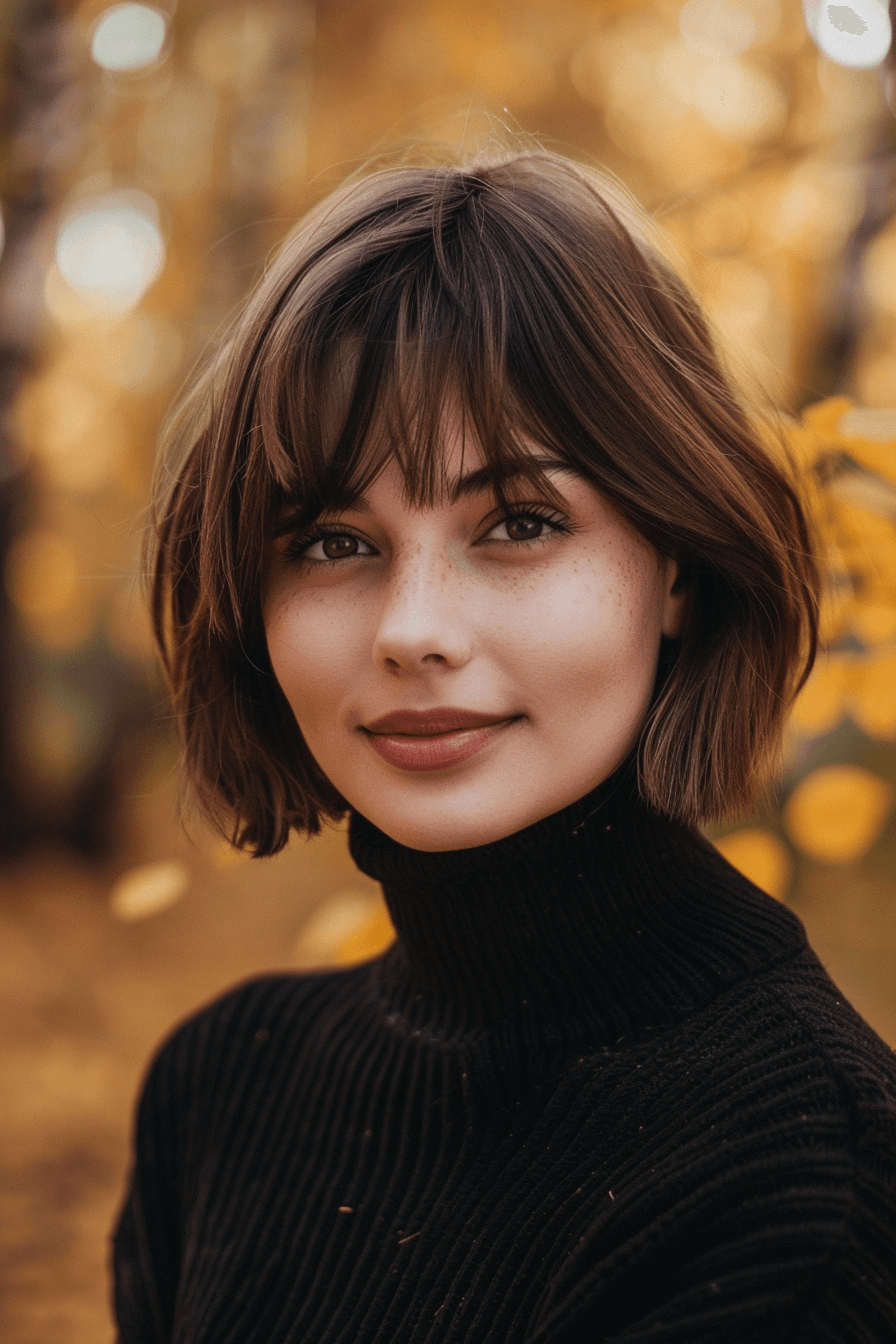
515	654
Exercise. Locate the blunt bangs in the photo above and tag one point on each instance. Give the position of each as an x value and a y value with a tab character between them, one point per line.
527	300
403	344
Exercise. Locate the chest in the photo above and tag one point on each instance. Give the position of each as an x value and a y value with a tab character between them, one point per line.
424	1201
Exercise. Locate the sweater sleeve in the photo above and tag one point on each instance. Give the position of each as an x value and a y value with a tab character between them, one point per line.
147	1238
173	1126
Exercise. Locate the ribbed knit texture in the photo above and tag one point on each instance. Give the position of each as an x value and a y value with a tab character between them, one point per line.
600	1089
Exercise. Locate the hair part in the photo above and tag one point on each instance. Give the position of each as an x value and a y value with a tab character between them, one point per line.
526	293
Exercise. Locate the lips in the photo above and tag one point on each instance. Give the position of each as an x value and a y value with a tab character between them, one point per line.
435	739
429	722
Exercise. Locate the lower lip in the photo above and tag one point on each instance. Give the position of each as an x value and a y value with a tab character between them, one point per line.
438	752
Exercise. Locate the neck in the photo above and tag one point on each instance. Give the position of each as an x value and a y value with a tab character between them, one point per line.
592	924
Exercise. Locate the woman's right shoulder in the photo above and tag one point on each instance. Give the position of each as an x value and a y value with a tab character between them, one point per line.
262	1018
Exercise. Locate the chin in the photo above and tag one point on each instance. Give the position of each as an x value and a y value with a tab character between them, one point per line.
437	813
434	825
440	836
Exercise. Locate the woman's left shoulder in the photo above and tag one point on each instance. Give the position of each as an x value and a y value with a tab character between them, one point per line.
859	1062
853	1295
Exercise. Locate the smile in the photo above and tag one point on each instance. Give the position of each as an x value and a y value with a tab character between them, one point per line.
436	751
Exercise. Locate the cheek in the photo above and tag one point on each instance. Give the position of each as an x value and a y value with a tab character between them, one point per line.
595	627
306	642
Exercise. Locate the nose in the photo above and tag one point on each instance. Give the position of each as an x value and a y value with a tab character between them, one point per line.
422	622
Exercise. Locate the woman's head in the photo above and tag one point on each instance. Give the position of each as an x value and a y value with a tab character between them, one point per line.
512	318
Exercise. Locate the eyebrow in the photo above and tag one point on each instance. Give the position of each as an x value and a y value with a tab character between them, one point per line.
463	487
478	481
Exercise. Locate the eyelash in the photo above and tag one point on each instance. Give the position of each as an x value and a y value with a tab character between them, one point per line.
297	546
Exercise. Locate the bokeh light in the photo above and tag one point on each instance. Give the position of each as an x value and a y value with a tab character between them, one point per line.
344	926
716	27
762	857
110	248
128	37
41	573
148	889
740	100
857	34
837	812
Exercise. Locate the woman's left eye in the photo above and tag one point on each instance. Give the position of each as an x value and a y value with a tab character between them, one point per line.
530	525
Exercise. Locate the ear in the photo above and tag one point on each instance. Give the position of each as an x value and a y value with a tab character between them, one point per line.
677	598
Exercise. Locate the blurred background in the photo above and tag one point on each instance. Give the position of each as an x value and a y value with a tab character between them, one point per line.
151	155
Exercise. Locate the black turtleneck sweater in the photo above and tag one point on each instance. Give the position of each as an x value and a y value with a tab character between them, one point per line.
599	1089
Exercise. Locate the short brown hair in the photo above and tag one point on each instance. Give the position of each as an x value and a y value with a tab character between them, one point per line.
530	290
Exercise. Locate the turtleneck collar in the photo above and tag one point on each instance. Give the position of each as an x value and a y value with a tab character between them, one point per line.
590	925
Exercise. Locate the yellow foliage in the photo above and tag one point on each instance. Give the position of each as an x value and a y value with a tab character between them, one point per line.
804	446
872	702
874	622
870	434
864	687
877	457
836	610
824	417
837	812
855	515
860	531
761	857
820	705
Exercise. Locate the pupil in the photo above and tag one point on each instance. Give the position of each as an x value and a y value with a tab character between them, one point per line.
524	527
337	547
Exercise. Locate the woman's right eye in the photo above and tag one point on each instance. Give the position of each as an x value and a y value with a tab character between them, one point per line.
331	547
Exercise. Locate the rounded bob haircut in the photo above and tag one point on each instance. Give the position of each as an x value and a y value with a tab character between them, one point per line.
527	292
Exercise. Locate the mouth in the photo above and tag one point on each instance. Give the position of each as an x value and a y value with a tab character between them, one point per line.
438	748
433	722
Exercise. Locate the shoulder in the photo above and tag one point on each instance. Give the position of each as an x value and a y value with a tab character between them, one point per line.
841	1061
863	1064
800	1066
256	1027
760	1192
788	1029
797	1187
858	1279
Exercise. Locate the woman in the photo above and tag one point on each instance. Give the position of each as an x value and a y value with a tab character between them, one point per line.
468	536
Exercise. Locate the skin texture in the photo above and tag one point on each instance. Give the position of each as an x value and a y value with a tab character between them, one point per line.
454	606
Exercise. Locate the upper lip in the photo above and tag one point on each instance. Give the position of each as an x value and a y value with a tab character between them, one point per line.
427	722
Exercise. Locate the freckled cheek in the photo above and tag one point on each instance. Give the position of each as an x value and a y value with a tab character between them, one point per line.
580	623
591	647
